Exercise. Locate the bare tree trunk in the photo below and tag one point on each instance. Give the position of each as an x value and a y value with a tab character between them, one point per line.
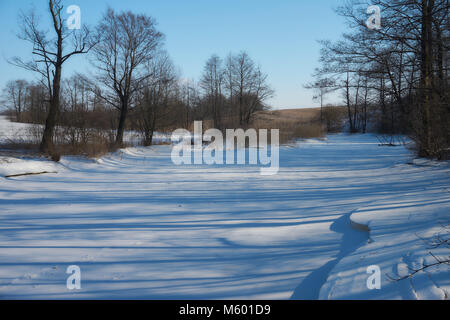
50	124
121	126
349	107
364	119
427	73
440	56
321	107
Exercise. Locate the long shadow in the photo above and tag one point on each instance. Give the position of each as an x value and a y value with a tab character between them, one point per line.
352	239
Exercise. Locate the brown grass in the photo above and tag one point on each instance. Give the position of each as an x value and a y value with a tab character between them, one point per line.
90	150
292	123
309	130
288	116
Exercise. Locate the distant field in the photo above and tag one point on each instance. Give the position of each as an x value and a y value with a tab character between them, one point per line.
288	115
292	123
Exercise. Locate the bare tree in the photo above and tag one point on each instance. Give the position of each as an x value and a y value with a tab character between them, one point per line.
257	94
229	81
126	42
189	97
49	57
403	61
153	102
15	95
249	86
212	82
36	104
243	67
76	97
322	86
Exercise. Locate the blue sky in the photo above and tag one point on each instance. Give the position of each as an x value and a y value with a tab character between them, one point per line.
279	35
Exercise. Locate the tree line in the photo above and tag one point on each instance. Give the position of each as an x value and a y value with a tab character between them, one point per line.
135	85
394	77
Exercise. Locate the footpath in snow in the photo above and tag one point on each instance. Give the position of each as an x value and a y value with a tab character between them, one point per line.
140	227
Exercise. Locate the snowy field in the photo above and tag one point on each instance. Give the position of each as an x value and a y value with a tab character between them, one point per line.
11	132
140	227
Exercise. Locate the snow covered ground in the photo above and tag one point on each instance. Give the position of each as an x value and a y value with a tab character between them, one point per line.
10	166
140	227
403	230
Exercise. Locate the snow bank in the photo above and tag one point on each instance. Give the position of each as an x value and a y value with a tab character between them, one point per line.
13	166
401	230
